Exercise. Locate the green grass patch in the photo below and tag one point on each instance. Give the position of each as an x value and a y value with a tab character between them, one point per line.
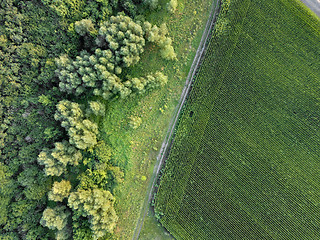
135	150
245	164
152	229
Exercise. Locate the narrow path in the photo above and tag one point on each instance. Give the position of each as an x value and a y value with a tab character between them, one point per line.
168	139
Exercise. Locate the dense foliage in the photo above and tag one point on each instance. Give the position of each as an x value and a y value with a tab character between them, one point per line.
57	74
98	10
27	49
57	219
97	205
56	160
98	73
244	163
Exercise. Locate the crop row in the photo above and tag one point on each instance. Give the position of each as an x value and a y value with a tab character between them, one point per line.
244	164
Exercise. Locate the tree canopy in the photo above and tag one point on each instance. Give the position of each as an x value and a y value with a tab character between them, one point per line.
59	191
97	205
57	219
82	132
56	160
62	62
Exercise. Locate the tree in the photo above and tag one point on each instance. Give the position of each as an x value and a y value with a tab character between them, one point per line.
52	167
97	205
85	27
59	191
91	179
56	219
35	183
152	4
102	152
82	132
124	38
97	71
120	43
97	108
57	159
68	113
167	52
66	153
159	36
5	192
159	80
140	85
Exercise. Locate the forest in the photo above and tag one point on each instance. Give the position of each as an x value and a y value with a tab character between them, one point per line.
61	64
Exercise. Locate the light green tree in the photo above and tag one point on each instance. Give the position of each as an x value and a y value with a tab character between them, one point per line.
140	85
85	27
121	41
66	153
158	35
82	132
56	160
59	191
97	108
124	37
52	167
172	6
68	113
57	219
97	205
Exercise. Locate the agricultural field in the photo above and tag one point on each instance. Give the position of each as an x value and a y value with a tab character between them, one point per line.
87	89
245	159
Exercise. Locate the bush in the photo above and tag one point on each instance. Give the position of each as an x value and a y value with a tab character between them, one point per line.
135	122
172	6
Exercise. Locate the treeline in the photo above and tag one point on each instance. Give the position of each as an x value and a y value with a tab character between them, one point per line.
56	79
100	10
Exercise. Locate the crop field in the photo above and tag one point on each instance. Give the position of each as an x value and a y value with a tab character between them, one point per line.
245	162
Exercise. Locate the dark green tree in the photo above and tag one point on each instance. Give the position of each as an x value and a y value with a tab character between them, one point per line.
5	192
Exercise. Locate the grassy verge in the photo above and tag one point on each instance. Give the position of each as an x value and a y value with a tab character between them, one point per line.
135	150
152	229
244	164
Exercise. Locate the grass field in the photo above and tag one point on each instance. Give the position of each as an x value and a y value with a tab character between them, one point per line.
245	163
135	150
